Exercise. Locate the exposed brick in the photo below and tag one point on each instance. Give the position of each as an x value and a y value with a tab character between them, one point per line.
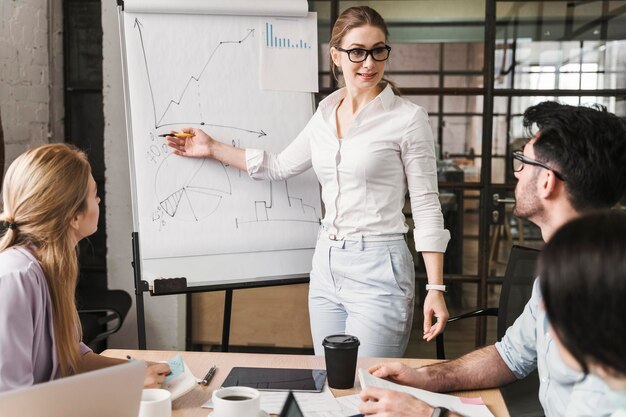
36	73
24	93
38	93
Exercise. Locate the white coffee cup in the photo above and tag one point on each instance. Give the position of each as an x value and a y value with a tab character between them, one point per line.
155	402
236	402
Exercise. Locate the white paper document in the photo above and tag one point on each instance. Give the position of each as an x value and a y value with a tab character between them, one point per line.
349	404
313	404
289	54
469	407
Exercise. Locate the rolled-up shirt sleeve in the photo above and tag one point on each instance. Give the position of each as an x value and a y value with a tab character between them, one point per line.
518	347
418	157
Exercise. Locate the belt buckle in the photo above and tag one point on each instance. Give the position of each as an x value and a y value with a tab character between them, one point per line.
332	236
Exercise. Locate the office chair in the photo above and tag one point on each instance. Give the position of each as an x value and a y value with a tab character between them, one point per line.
521	397
101	313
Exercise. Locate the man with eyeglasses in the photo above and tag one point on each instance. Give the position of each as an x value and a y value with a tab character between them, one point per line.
575	163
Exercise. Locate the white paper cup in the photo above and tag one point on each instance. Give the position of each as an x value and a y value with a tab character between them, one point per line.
236	402
155	402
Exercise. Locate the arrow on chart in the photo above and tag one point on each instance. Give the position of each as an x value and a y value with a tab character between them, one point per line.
260	133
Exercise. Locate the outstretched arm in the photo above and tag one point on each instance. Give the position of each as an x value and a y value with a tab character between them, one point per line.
201	145
155	371
482	368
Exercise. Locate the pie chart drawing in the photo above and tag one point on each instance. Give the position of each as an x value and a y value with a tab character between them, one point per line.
191	189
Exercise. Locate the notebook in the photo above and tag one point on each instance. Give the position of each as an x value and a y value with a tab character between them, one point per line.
180	381
109	392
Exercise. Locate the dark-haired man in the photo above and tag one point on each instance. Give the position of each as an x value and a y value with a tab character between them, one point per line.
575	163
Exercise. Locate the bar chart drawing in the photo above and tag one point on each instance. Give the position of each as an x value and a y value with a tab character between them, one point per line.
277	40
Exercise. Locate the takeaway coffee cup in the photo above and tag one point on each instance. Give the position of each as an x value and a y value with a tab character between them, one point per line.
155	402
236	402
341	353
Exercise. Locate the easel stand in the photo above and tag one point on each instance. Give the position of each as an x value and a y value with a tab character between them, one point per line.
173	286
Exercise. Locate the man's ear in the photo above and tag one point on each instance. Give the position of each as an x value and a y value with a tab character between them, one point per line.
547	183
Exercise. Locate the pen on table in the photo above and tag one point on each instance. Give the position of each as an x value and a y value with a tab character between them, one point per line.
178	135
209	375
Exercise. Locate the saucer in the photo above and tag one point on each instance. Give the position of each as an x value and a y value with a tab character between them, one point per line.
261	414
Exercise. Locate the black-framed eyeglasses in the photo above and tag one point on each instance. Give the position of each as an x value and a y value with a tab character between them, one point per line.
356	55
519	159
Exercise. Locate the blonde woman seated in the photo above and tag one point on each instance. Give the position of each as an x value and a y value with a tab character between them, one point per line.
50	203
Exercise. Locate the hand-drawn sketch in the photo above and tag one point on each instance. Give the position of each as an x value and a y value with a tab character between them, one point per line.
194	196
202	71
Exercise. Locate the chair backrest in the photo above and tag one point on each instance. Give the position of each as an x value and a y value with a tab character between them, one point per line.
102	313
520	274
521	397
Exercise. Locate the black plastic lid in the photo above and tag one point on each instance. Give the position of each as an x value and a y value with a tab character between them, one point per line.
341	341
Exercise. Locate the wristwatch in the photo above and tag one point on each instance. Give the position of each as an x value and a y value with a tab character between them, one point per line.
436	287
440	412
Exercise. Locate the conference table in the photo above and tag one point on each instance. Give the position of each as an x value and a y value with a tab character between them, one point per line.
189	405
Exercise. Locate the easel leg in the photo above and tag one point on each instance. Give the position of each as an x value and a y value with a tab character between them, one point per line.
228	305
141	318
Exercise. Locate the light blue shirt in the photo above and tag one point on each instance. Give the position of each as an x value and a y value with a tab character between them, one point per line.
563	392
618	398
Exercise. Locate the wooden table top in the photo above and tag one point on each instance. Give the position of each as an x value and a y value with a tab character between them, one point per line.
199	363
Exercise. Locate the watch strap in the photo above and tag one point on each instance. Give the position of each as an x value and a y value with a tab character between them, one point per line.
439	412
437	287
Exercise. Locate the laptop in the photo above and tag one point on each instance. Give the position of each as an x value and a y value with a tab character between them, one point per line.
110	392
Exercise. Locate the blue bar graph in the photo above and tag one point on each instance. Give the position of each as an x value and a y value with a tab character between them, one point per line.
275	41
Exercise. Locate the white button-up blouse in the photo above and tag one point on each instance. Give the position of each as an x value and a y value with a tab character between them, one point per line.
388	150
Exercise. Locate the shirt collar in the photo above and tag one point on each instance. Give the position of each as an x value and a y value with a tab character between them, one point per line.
385	97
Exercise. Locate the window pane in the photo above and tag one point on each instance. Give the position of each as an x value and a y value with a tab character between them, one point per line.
561	45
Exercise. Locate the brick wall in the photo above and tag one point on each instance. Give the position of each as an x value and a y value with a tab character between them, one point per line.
24	75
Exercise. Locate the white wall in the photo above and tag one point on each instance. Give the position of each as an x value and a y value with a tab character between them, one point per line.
31	105
165	321
24	75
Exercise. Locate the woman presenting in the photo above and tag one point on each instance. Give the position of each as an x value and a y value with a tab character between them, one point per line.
368	147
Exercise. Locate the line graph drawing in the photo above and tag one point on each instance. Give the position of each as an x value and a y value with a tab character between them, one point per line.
204	72
191	190
158	120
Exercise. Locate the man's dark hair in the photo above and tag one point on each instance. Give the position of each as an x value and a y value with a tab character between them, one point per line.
582	273
585	144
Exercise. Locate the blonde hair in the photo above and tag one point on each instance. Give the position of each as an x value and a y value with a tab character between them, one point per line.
44	189
355	17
